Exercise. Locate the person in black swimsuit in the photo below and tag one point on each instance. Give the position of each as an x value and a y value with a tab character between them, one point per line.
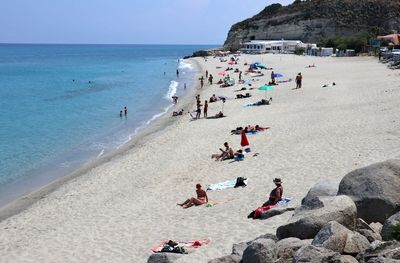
276	194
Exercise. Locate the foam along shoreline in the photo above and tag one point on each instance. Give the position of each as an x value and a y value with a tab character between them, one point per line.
125	206
152	127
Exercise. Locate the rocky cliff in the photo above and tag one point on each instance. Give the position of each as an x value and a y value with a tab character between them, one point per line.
312	20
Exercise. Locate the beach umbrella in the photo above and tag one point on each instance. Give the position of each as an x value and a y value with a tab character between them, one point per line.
244	142
266	88
277	75
222	73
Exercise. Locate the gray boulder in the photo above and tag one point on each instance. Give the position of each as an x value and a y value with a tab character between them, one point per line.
374	189
227	259
348	259
238	249
367	231
260	251
313	254
379	250
266	236
163	258
286	248
309	218
338	238
388	227
322	188
376	227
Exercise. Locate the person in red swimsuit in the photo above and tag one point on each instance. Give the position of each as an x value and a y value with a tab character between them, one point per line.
201	199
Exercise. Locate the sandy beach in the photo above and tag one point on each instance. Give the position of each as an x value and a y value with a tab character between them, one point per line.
120	209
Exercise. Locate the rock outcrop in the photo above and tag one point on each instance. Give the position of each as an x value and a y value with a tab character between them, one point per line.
389	226
374	189
310	217
260	251
312	20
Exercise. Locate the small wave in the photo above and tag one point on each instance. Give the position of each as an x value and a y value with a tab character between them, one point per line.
184	65
172	90
100	154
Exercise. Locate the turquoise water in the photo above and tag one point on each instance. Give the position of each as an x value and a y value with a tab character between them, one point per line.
60	104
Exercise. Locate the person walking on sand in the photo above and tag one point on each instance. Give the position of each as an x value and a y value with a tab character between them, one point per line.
206	73
210	79
126	110
201	83
299	79
205	109
201	199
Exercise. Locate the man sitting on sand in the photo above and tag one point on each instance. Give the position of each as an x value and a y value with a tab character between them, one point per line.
213	98
225	155
201	199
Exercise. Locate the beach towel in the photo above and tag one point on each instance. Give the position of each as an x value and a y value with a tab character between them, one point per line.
184	244
224	185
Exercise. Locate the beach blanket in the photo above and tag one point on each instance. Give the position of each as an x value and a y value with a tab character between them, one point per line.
224	185
184	244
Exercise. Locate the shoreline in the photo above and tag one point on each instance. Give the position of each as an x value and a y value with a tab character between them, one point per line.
151	130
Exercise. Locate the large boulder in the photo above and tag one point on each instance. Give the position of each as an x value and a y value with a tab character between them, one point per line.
260	251
313	254
390	224
322	188
163	258
338	238
311	216
286	248
374	189
379	251
227	259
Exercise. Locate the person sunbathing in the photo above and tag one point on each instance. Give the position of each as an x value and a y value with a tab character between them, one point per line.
276	195
258	128
201	199
219	115
225	155
220	82
213	98
177	113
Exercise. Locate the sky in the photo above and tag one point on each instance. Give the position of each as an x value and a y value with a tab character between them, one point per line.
124	21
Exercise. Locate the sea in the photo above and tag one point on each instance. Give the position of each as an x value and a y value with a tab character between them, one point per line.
60	104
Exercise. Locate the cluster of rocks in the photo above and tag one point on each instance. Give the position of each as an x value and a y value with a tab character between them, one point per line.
354	222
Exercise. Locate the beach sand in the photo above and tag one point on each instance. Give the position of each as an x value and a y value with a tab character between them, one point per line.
119	210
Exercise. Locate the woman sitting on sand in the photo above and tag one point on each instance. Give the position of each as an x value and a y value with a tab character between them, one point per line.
225	155
276	195
201	199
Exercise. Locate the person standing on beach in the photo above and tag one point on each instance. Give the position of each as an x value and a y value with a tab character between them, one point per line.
198	112
210	79
206	73
205	109
177	73
299	79
240	76
201	82
272	78
126	110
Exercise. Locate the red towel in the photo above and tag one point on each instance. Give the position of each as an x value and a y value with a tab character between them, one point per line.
244	142
262	209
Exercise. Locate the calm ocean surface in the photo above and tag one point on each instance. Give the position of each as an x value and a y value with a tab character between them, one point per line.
59	104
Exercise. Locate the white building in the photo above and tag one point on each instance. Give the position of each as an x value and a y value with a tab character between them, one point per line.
274	46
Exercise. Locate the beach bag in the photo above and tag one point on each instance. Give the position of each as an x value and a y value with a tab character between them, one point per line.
240	181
